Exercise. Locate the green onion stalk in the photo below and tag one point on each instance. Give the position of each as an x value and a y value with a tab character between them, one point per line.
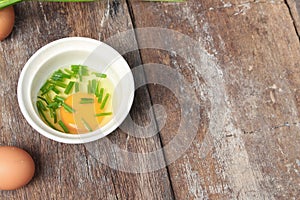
6	3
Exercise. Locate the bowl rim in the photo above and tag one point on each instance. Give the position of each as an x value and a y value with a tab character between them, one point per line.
24	96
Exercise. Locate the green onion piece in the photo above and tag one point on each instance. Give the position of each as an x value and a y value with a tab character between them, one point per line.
97	88
69	87
63	126
89	87
4	4
69	72
48	98
42	106
75	68
38	105
103	114
45	100
82	71
45	86
53	105
99	75
68	108
57	83
76	87
94	86
53	115
59	98
86	101
104	101
46	90
57	78
54	89
100	95
64	75
87	126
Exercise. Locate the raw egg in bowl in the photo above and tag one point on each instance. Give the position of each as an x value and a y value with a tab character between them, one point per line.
75	90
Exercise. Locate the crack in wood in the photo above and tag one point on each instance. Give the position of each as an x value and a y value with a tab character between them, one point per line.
87	162
285	124
289	6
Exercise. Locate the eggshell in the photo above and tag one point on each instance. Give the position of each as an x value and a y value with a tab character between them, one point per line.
16	168
7	20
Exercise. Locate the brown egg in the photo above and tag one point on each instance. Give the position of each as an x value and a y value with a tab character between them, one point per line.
16	168
7	20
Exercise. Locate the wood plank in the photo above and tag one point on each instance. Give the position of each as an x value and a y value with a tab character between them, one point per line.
256	49
73	171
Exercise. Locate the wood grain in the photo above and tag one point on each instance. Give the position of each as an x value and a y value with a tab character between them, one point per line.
72	171
247	142
256	46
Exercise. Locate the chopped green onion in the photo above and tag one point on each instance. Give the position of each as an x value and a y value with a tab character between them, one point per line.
82	71
76	87
63	126
60	76
75	68
57	83
53	105
46	91
103	114
100	95
48	102
86	101
69	87
38	104
89	85
69	72
53	115
42	106
94	86
99	75
45	100
48	98
104	101
59	98
64	75
45	86
87	126
97	88
57	78
68	108
54	89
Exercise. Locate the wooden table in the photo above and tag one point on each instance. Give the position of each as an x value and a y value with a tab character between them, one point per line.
245	79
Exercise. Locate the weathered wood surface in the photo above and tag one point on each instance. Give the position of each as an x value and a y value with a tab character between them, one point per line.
256	46
71	171
249	117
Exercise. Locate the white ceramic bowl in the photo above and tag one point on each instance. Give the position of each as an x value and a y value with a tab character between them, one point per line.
65	52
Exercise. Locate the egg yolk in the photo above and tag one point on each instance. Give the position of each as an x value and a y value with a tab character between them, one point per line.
83	119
